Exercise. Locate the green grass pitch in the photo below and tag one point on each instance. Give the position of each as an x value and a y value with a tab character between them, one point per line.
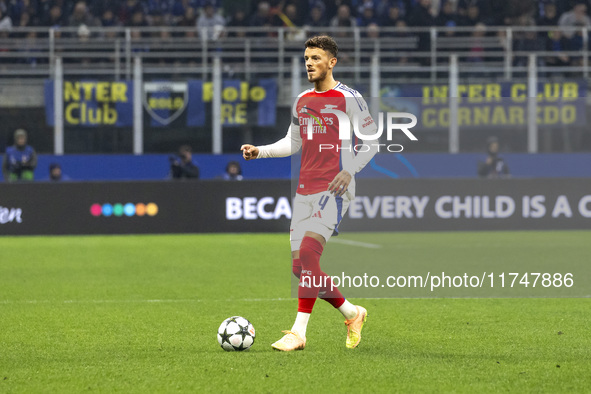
140	314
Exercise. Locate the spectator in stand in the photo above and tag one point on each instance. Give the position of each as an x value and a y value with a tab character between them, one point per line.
421	17
211	21
42	9
5	22
549	17
233	172
157	19
447	18
81	16
494	166
472	17
238	20
263	16
367	16
343	18
372	31
20	159
576	18
527	41
138	19
557	43
189	19
477	50
159	7
392	17
290	12
560	6
316	17
382	6
54	18
182	166
128	10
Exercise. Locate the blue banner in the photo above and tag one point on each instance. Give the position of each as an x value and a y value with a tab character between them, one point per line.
93	103
489	104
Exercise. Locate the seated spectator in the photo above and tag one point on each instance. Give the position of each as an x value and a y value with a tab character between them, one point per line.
20	159
108	18
472	17
81	16
577	17
367	16
557	43
211	21
263	16
189	18
5	22
421	17
238	20
54	18
447	18
549	17
56	174
382	7
343	20
182	166
494	166
160	7
392	17
128	10
477	49
372	31
316	17
289	17
233	172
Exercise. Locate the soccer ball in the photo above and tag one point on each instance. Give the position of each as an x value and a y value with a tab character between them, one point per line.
236	333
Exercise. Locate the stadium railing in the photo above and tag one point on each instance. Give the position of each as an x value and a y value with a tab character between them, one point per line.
416	54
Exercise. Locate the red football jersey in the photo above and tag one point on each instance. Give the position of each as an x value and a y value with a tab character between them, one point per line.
326	154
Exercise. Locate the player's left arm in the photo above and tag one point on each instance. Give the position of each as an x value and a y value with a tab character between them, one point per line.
358	113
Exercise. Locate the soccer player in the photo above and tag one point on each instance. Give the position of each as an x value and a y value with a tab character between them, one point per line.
326	183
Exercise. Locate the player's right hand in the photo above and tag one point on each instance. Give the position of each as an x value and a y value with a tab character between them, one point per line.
249	152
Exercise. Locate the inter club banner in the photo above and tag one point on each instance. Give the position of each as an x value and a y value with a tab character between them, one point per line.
489	104
92	103
99	103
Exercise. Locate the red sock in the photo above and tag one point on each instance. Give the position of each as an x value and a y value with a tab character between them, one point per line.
309	261
310	252
331	294
296	267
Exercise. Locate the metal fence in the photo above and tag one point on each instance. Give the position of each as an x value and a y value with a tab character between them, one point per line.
415	54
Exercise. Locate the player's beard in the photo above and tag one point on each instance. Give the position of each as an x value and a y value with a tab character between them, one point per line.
320	77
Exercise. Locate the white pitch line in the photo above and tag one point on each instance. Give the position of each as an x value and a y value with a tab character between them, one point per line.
355	243
137	301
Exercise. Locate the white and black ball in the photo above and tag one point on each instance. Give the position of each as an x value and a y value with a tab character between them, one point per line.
236	334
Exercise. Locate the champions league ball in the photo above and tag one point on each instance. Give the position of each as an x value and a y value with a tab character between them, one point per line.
236	334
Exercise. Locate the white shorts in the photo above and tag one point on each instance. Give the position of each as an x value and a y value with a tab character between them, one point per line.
320	213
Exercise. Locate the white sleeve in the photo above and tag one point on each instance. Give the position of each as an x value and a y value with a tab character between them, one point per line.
358	112
287	146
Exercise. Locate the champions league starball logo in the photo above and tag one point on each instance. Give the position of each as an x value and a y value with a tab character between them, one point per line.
392	124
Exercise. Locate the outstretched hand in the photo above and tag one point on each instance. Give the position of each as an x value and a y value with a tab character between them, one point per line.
249	152
340	183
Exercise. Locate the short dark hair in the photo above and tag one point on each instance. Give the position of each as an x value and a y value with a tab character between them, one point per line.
185	148
326	43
